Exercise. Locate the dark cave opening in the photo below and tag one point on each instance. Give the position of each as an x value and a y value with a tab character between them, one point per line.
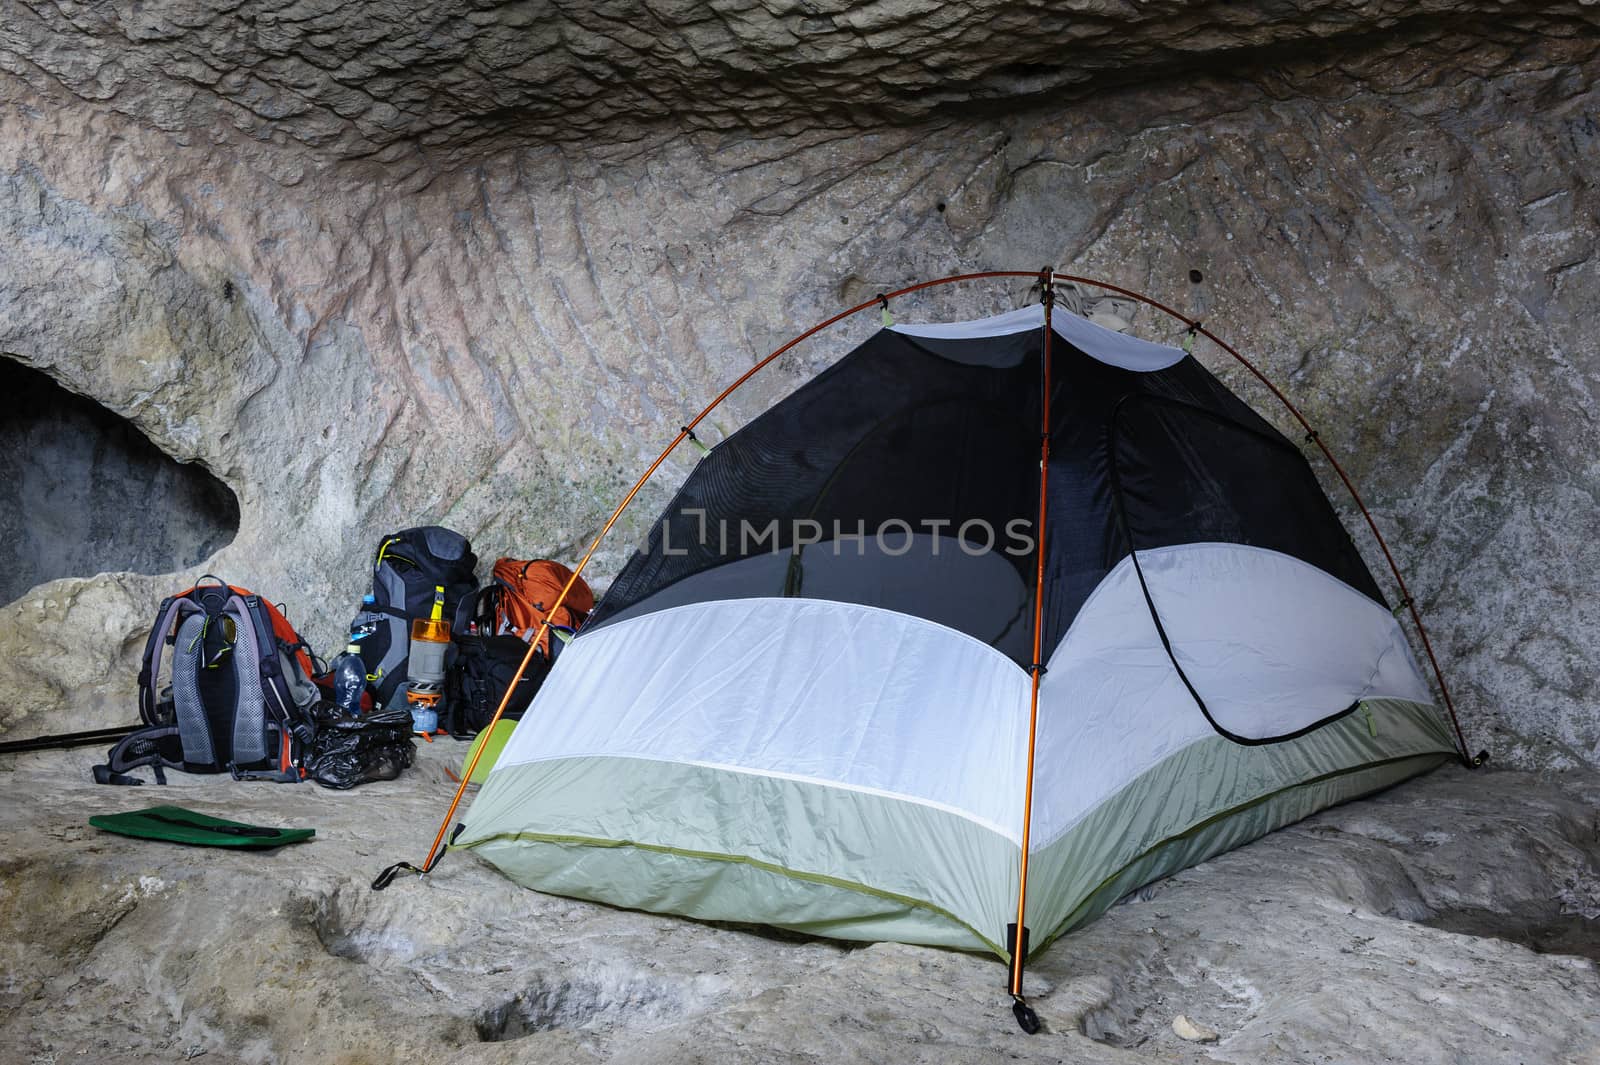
83	491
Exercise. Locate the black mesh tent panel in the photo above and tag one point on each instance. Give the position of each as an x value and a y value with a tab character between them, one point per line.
904	442
1142	460
883	458
1185	474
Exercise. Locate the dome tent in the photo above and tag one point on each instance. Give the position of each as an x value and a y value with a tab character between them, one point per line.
879	672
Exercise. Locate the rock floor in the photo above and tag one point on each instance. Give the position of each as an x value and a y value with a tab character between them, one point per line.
1453	919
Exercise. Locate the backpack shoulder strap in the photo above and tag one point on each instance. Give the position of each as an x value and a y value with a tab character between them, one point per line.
288	637
150	663
467	608
251	646
277	691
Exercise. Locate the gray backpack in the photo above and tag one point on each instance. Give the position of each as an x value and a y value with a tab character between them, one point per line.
240	695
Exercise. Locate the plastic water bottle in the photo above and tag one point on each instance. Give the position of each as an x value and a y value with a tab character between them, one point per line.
368	621
349	680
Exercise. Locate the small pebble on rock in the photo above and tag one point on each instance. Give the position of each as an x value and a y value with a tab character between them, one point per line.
1194	1033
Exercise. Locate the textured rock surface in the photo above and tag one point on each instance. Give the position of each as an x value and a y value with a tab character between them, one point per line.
354	79
1312	945
372	272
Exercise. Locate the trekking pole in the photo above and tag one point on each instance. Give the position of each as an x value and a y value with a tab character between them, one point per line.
64	740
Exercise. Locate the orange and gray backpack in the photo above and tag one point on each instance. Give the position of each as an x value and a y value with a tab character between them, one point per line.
239	696
523	592
491	633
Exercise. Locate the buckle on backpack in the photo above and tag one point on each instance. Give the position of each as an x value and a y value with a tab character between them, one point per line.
285	776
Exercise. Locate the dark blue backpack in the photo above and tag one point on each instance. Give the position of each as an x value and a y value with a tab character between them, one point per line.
408	566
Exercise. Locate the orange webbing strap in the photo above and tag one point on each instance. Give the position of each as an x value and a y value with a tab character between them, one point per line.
387	876
1406	599
1019	938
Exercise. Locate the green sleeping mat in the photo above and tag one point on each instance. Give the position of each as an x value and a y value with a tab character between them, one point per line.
174	824
493	741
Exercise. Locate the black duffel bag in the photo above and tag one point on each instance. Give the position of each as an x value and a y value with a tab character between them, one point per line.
483	667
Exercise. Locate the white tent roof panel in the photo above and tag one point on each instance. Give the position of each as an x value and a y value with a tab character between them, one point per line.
1107	345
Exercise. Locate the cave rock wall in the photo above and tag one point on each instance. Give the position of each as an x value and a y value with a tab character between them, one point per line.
445	275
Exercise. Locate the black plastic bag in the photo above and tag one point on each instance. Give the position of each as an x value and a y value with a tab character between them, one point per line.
357	750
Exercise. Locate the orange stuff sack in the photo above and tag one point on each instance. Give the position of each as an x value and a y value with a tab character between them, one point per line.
527	590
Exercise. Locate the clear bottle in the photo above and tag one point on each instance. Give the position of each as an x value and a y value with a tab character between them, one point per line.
368	620
349	680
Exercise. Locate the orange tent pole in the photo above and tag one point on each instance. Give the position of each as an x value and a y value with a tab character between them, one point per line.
1019	947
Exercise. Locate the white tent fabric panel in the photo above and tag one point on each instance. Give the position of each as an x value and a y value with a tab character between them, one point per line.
835	693
1107	345
1271	643
1274	644
859	697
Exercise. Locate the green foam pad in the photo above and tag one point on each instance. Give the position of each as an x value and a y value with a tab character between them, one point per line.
174	824
493	741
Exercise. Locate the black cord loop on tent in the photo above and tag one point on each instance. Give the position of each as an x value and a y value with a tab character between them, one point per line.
387	877
1120	509
695	440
